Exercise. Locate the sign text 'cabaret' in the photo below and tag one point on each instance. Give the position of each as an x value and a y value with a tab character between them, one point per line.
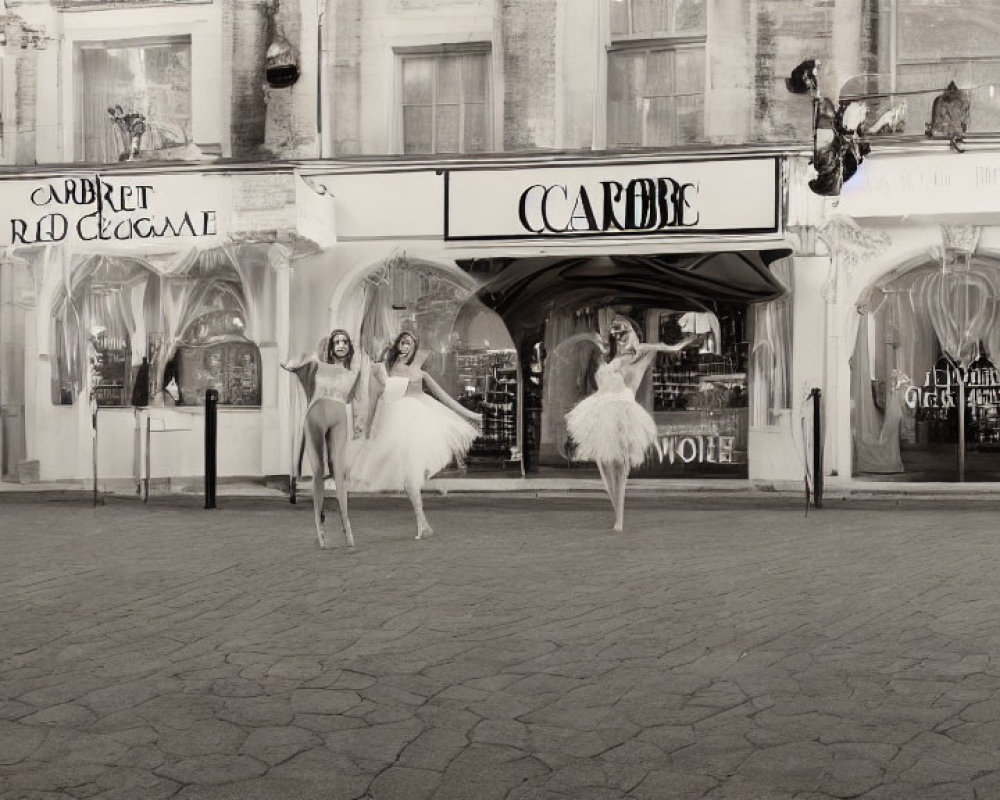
642	204
114	211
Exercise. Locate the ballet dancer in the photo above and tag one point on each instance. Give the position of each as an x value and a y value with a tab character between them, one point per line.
610	426
416	429
329	380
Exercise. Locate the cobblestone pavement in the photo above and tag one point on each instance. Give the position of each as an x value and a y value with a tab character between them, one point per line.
732	649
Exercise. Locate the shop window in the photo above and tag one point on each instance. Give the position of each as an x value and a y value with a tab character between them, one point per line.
656	72
134	336
446	100
925	390
133	99
941	42
467	347
214	353
711	375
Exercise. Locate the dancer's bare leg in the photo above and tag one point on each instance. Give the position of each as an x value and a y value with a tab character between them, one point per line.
621	471
424	529
314	446
604	479
336	441
609	476
302	452
326	430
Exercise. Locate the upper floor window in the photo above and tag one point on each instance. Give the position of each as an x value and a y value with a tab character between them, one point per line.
656	72
657	17
133	99
937	43
446	100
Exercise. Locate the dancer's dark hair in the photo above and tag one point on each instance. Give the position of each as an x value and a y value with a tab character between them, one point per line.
392	352
330	356
612	341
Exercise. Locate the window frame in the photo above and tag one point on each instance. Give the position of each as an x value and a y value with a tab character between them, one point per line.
79	46
892	44
657	41
435	53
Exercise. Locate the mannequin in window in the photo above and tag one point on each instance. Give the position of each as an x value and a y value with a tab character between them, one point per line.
329	381
609	426
416	429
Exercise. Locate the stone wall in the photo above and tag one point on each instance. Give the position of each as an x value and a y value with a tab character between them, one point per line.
344	31
249	45
529	64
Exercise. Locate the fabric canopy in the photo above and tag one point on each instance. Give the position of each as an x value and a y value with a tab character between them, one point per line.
525	291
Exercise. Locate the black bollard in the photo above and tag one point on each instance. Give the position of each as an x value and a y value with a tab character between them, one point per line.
815	394
211	437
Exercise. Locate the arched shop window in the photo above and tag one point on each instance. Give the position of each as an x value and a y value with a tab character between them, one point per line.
96	329
138	332
925	391
214	351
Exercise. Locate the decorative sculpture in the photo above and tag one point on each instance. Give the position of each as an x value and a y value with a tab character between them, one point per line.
950	114
131	127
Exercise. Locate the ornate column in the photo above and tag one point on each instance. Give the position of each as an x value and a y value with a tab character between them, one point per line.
277	425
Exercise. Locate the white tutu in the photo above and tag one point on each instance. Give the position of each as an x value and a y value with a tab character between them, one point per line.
412	438
610	425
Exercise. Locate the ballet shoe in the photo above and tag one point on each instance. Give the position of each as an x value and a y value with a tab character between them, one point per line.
424	533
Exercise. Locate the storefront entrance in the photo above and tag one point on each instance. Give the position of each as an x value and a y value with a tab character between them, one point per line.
925	387
699	397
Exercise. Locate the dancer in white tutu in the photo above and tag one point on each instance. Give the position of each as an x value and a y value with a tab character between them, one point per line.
329	380
609	426
413	435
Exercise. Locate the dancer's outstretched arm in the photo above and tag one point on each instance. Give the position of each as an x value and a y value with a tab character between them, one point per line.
667	348
443	397
644	353
302	363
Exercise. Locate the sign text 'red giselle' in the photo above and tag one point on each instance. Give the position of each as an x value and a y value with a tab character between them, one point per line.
646	199
93	209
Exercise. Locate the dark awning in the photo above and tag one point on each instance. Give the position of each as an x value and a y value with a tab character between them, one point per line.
524	291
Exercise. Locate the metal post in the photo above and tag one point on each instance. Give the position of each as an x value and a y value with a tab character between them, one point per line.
961	425
149	437
817	448
93	424
211	435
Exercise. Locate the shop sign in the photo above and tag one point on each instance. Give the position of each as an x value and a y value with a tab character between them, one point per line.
725	196
923	185
940	389
699	449
94	208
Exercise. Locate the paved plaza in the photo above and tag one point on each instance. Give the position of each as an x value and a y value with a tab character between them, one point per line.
724	647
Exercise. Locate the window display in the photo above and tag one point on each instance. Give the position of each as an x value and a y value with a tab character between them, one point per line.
925	393
179	331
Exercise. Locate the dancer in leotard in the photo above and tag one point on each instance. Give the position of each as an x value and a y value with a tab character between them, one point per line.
328	421
609	426
413	435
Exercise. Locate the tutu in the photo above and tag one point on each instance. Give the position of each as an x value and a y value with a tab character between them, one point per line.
610	425
412	437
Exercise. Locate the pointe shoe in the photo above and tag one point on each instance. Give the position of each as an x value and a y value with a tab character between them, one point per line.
321	538
424	533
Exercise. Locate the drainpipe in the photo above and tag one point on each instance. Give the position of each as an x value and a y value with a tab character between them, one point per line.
324	131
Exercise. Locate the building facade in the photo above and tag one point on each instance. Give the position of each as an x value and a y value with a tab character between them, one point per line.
195	191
